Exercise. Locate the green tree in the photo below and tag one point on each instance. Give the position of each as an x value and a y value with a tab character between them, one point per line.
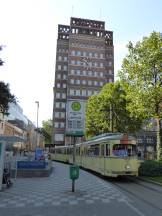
1	61
5	96
107	111
142	71
46	130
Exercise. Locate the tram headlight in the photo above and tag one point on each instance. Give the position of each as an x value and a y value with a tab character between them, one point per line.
127	167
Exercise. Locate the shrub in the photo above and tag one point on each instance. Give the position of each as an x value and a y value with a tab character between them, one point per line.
151	168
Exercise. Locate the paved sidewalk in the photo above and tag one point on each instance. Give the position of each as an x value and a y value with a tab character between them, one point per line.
49	196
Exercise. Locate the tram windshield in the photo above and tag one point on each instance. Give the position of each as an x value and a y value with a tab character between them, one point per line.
124	150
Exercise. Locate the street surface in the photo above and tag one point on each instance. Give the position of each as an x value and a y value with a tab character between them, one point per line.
52	196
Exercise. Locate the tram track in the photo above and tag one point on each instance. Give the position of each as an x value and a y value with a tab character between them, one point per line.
122	184
140	191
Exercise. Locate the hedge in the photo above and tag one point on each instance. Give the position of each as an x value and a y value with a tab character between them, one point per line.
150	168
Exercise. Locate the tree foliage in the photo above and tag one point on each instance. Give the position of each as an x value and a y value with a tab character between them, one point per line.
5	98
142	70
107	111
46	130
1	61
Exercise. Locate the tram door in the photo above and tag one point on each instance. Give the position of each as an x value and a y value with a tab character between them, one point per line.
107	159
102	161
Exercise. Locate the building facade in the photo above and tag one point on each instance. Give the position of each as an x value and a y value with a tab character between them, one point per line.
17	125
84	63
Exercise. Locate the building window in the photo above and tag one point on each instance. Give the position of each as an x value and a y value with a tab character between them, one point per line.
56	114
77	82
60	58
95	92
65	58
84	73
62	114
89	73
101	64
110	80
78	72
63	95
110	71
84	82
110	63
64	85
56	125
89	92
78	92
72	92
83	92
101	55
72	72
58	76
78	53
62	124
96	55
65	67
72	62
101	74
58	85
73	52
84	53
72	81
59	137
57	105
58	95
89	82
95	83
90	54
59	67
62	105
64	76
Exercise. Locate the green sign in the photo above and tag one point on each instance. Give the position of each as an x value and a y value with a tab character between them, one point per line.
74	172
76	106
75	133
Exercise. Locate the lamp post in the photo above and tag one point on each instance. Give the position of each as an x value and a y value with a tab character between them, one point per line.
37	102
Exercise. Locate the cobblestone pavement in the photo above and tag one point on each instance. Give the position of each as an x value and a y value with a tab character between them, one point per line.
50	196
56	190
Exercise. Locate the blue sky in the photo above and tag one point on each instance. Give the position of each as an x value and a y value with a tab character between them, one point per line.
28	29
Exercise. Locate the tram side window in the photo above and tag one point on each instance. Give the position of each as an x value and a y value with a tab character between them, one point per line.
102	150
107	150
93	150
78	151
123	150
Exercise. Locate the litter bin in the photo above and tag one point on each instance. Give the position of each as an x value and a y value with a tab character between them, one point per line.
74	172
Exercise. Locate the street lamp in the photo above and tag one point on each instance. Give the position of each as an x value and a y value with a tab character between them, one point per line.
37	102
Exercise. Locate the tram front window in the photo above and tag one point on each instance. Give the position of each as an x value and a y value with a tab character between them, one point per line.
124	150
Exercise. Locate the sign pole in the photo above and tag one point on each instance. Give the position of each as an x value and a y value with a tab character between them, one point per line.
74	153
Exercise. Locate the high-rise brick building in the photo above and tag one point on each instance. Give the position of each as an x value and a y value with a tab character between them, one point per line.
84	63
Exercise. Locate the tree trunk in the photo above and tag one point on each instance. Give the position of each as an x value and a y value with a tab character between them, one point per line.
159	139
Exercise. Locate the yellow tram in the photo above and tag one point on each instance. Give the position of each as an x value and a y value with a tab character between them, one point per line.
110	154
